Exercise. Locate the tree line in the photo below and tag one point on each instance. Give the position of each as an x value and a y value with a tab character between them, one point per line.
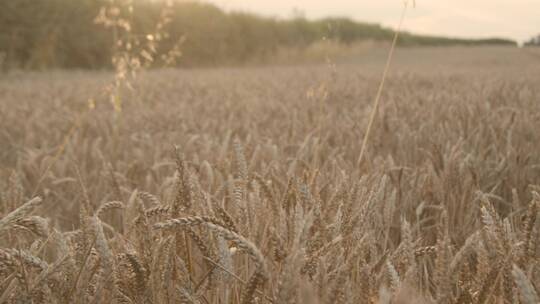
534	41
39	34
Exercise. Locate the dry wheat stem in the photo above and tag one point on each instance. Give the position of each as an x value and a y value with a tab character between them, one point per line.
381	85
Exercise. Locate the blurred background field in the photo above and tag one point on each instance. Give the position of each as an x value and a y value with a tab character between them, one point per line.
85	34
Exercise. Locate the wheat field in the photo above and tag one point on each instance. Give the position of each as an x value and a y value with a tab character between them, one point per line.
242	185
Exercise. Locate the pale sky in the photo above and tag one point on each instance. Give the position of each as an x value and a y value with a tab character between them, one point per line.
516	19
